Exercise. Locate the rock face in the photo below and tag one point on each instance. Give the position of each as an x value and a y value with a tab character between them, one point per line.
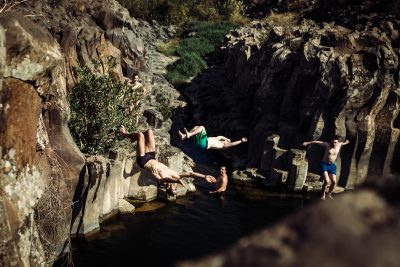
33	97
308	82
42	172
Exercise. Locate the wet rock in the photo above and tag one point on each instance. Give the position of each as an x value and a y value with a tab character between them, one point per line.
124	207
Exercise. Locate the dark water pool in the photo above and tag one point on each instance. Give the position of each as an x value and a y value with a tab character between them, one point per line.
162	234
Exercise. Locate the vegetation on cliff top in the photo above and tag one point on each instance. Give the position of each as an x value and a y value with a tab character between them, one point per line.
202	39
180	12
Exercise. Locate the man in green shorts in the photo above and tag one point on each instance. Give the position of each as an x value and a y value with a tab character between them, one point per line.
202	141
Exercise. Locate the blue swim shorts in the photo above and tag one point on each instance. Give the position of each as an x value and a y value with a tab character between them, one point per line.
329	168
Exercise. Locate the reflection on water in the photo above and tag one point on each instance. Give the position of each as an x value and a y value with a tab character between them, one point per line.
161	234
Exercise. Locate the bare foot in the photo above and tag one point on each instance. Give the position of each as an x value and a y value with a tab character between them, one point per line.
181	135
244	139
330	196
323	197
186	133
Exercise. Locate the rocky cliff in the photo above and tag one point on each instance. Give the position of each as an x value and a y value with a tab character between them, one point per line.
48	188
309	81
304	81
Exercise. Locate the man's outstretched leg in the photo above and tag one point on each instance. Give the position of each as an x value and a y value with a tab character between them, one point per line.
195	130
150	143
138	137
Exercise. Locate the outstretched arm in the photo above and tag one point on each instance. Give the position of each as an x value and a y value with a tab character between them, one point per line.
315	142
345	142
208	178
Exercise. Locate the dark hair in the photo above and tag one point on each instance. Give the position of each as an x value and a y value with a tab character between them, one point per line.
336	137
171	191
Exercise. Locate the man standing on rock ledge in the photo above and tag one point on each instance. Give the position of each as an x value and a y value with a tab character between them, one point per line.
328	166
146	159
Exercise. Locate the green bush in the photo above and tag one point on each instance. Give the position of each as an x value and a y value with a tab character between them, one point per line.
196	45
99	106
163	106
204	38
189	64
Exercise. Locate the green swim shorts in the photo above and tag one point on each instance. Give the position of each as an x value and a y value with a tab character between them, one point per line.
200	139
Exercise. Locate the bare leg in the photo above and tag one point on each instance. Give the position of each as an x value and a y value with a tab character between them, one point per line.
333	184
238	142
141	147
138	137
195	130
326	180
150	143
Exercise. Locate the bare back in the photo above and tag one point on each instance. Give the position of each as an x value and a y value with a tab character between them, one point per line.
160	170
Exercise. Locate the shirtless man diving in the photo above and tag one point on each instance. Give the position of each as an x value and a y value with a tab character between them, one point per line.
146	159
204	142
328	166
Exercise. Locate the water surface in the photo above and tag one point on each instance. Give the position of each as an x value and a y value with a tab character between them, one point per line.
162	234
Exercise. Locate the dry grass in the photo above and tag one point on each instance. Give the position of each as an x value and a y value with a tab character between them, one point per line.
53	221
168	48
284	20
7	5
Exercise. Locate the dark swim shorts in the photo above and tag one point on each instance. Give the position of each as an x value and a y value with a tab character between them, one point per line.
142	160
329	168
200	139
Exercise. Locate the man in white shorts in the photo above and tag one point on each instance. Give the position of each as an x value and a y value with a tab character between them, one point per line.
202	141
146	159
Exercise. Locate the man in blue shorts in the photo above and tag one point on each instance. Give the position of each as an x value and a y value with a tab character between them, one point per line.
328	166
202	141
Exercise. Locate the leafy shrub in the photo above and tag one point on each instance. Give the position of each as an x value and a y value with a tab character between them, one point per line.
169	48
190	64
197	45
163	106
204	38
99	105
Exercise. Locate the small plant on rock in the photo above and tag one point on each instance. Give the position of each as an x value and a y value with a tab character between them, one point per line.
100	105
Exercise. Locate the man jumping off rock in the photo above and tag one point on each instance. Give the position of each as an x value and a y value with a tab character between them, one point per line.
145	158
204	142
328	166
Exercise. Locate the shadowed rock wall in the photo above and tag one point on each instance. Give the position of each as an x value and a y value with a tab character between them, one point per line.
310	81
